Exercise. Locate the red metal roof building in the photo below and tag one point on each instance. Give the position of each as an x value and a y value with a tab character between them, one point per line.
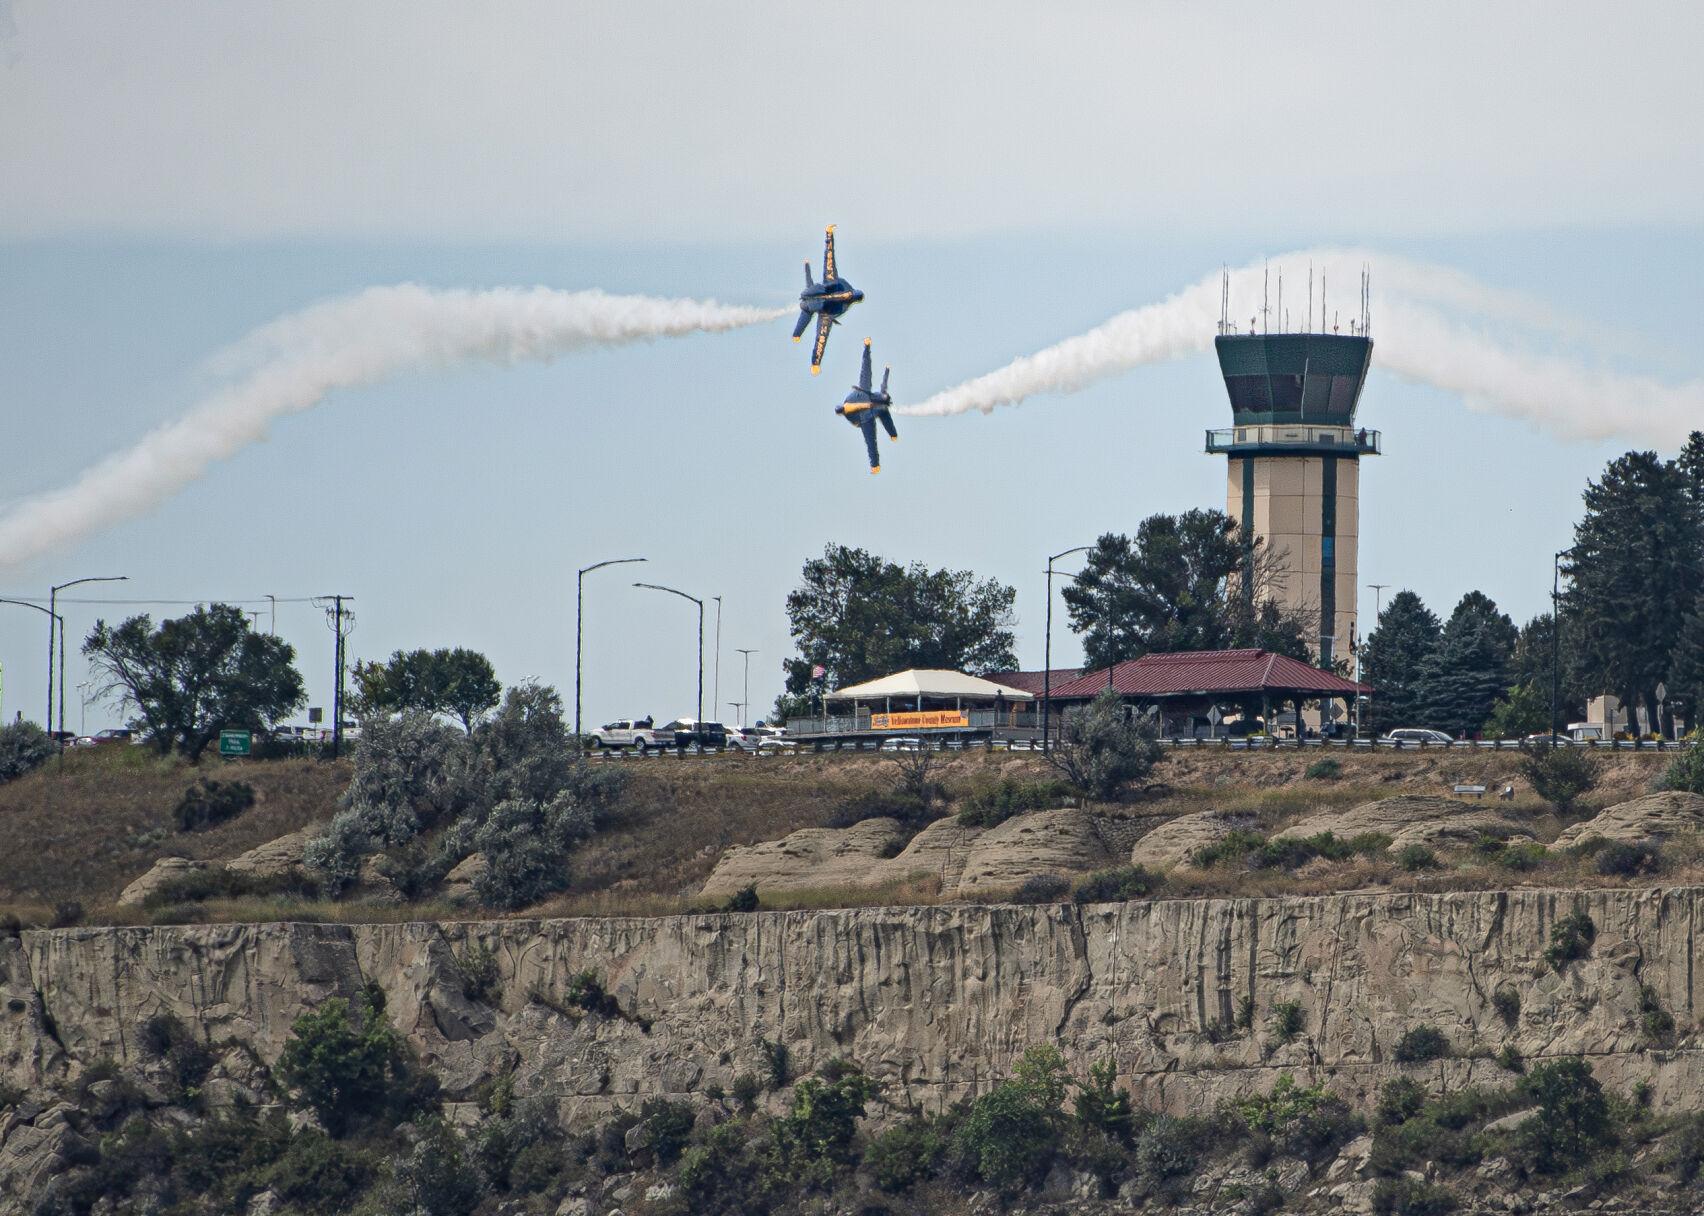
1189	683
1034	681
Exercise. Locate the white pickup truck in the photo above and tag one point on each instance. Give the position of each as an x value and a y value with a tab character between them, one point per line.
637	733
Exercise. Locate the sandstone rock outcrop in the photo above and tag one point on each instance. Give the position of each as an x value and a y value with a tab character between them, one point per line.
1065	841
1414	819
163	871
280	858
1653	817
1176	841
937	1002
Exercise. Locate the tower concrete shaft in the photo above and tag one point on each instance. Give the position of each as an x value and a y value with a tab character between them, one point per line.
1293	469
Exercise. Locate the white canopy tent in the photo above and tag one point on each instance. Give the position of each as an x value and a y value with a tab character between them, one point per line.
931	683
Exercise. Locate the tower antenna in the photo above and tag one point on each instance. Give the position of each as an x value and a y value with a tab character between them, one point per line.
1265	293
1281	326
1310	296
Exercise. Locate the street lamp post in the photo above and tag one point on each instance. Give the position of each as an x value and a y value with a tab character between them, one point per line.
716	680
52	603
1555	638
699	719
1047	654
579	605
52	617
747	703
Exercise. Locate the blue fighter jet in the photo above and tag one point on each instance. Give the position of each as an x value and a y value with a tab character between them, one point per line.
864	406
826	301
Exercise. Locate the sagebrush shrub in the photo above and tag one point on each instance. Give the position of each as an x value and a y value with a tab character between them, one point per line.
1117	885
1042	889
209	803
23	746
1571	938
1421	1044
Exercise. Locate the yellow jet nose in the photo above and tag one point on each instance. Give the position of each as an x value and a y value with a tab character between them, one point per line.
815	369
874	469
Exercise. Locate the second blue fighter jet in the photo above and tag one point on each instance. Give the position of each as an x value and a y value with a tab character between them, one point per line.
865	406
826	301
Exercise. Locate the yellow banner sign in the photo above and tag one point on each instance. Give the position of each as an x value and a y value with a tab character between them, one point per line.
928	719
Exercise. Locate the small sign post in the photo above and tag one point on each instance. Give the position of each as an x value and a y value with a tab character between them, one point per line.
236	742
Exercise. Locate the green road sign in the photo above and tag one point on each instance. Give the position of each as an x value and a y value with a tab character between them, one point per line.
235	742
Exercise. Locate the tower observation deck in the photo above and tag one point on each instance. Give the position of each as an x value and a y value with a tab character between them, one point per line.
1293	465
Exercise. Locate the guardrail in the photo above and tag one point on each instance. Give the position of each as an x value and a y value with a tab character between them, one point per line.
878	744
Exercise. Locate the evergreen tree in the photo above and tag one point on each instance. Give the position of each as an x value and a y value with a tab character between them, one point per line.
1686	666
1635	568
1530	668
1403	640
1469	670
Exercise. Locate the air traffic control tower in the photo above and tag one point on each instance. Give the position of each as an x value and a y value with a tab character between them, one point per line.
1293	456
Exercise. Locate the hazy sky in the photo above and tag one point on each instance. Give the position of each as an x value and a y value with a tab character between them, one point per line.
174	174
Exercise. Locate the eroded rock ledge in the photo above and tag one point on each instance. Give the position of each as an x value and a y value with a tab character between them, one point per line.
936	1001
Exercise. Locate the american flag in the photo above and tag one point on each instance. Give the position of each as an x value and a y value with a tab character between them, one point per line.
818	672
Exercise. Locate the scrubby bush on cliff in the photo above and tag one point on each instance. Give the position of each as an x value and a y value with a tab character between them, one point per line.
1411	1197
1305	1122
1624	859
1042	889
1010	1135
526	847
1573	1121
1117	885
815	1136
1571	938
908	1152
1103	1106
1685	772
347	1064
433	1178
23	746
1421	1044
990	806
1103	749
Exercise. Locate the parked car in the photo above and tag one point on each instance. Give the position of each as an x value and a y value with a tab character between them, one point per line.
1553	740
101	738
638	733
689	731
744	739
1416	734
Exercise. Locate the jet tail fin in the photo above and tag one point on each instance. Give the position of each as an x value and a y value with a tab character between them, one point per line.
885	372
803	322
809	282
864	375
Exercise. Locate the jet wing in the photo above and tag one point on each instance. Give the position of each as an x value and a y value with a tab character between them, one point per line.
887	422
799	328
864	376
828	256
824	322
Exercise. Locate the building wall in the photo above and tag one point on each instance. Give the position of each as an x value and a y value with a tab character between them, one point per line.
1286	498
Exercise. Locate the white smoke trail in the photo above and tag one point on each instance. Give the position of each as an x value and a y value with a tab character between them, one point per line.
290	364
1421	323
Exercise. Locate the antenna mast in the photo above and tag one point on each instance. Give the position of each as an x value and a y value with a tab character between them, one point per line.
1310	296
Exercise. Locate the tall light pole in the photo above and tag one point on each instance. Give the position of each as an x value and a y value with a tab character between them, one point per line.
716	680
52	603
52	617
1047	654
699	720
747	705
1556	639
579	632
1378	590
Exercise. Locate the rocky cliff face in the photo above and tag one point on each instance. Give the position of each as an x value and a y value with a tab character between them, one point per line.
936	1001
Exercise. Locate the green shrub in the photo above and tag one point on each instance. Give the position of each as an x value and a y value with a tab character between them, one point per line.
1010	1135
993	805
1573	1121
1103	749
1102	1106
1421	1044
743	900
1510	1059
908	1153
823	1118
209	803
187	1060
1621	859
1172	1148
1685	1155
217	882
911	810
1400	1100
1522	857
1416	857
1507	1003
317	1174
477	967
434	1176
1656	1022
1571	938
586	992
1117	885
66	913
1235	845
526	845
778	1061
1328	769
1411	1197
746	1090
347	1064
719	1177
669	1128
1291	852
1309	1123
23	746
1559	775
1042	889
1685	772
1287	1020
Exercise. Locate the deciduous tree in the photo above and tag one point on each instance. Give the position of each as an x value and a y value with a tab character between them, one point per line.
198	674
460	683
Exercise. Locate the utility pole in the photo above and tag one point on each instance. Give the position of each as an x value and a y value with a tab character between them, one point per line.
1378	590
273	599
1047	655
716	680
579	627
699	720
52	603
747	703
342	623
